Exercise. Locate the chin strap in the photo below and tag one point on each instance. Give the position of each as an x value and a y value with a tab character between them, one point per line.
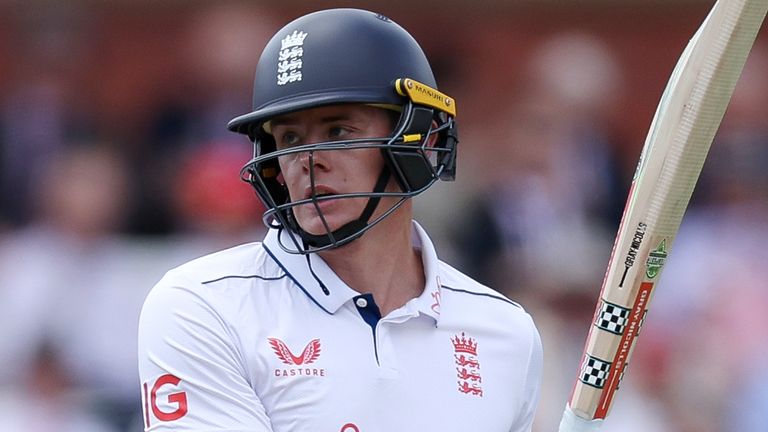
353	228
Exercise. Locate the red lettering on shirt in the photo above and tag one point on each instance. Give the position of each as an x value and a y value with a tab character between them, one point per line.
178	398
299	372
146	406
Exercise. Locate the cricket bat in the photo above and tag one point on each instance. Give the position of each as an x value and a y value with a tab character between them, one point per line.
688	115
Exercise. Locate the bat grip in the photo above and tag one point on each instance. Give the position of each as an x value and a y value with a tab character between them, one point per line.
573	423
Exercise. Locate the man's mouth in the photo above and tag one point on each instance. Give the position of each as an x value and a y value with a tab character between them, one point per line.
318	192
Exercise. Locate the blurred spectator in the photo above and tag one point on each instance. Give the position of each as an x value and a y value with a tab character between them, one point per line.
69	282
41	110
47	401
552	190
79	198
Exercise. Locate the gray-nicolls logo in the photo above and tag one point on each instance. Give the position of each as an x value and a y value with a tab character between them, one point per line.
289	61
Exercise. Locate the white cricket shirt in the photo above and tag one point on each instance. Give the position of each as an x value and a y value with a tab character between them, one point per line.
248	339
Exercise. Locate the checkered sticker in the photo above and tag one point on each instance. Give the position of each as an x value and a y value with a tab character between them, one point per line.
612	318
594	371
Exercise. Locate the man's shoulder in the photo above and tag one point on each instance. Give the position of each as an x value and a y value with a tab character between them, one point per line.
455	283
469	304
238	262
220	280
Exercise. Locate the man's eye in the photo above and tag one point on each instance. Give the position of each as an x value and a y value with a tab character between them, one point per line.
289	139
337	132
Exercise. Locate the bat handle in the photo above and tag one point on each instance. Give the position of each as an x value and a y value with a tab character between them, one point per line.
573	423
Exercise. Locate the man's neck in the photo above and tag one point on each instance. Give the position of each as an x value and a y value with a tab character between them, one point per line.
382	262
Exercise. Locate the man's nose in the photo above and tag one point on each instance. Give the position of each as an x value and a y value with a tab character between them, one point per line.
314	159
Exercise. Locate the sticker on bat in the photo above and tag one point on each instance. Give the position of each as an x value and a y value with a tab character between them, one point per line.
594	371
656	260
612	318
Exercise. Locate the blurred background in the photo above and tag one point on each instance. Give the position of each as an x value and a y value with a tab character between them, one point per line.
115	165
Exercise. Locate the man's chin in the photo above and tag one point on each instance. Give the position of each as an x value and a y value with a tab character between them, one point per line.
315	226
332	219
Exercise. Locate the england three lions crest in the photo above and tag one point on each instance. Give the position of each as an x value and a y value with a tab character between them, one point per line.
467	365
289	62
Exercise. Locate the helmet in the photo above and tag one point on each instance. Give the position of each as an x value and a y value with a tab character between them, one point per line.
348	56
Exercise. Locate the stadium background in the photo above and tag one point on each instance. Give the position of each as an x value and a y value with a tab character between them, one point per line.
115	165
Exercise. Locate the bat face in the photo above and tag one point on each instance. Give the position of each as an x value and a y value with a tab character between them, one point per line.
682	130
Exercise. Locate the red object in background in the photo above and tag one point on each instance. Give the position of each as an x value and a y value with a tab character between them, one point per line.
209	193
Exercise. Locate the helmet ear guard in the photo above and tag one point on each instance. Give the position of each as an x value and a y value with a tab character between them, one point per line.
411	169
417	167
449	139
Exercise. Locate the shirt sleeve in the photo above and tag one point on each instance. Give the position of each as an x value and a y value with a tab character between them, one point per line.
532	389
193	376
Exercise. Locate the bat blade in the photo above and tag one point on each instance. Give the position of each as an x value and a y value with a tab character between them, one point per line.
686	120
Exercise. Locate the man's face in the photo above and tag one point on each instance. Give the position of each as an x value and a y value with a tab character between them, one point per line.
335	171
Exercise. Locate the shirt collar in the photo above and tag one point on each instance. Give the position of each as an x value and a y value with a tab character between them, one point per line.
309	272
428	303
312	274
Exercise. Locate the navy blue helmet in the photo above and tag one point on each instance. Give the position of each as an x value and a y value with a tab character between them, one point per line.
341	56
